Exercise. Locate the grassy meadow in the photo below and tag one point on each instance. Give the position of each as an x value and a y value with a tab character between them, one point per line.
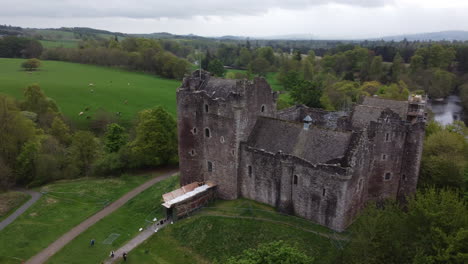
64	205
113	90
136	213
226	229
10	201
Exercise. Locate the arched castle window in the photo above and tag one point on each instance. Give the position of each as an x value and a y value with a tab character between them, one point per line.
206	108
388	176
295	179
324	192
249	168
192	152
207	132
404	177
221	139
263	108
384	157
194	131
209	166
233	152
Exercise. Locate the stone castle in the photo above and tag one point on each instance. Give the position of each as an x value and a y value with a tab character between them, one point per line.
319	165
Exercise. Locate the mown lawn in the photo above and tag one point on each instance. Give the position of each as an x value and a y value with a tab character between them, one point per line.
64	205
126	221
10	201
113	90
214	234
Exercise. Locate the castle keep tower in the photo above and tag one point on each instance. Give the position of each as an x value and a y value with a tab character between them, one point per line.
214	116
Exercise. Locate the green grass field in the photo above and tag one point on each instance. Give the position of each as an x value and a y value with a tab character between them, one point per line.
125	221
68	85
10	201
229	227
64	205
59	43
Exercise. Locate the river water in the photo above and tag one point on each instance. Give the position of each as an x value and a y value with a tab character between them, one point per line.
448	110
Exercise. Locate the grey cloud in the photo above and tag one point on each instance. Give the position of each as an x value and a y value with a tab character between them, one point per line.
160	9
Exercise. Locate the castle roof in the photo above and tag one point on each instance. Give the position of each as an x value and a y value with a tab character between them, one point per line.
218	87
315	145
372	107
399	107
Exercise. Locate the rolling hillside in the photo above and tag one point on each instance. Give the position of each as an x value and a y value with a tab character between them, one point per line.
76	87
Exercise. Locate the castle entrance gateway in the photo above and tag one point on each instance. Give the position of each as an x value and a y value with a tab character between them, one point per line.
179	203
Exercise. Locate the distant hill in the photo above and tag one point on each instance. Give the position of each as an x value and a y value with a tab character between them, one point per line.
434	36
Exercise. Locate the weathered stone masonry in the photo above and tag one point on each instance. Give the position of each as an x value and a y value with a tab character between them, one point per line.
324	169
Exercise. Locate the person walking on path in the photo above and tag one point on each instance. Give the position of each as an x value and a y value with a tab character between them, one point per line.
125	256
92	242
112	254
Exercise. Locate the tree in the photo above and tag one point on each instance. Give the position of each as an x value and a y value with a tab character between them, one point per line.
60	131
115	137
464	95
216	67
394	91
307	92
83	151
26	162
36	101
31	64
441	83
376	69
445	158
277	252
397	68
245	57
156	139
431	229
15	130
259	66
308	70
343	94
6	175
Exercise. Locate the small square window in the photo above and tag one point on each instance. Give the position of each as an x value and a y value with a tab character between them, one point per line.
206	108
384	157
250	171
387	137
323	192
295	179
388	176
207	132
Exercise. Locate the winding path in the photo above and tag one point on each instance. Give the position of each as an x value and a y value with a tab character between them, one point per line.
34	197
53	248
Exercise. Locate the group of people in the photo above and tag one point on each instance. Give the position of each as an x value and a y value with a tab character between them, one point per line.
124	255
112	253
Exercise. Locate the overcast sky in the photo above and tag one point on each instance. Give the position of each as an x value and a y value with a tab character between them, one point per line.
319	18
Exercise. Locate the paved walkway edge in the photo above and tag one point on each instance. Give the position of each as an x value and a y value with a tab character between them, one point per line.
53	248
34	197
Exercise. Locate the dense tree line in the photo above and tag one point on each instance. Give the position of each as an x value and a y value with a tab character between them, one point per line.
37	146
134	54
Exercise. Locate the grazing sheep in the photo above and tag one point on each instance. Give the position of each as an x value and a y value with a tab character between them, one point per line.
92	90
81	113
91	84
